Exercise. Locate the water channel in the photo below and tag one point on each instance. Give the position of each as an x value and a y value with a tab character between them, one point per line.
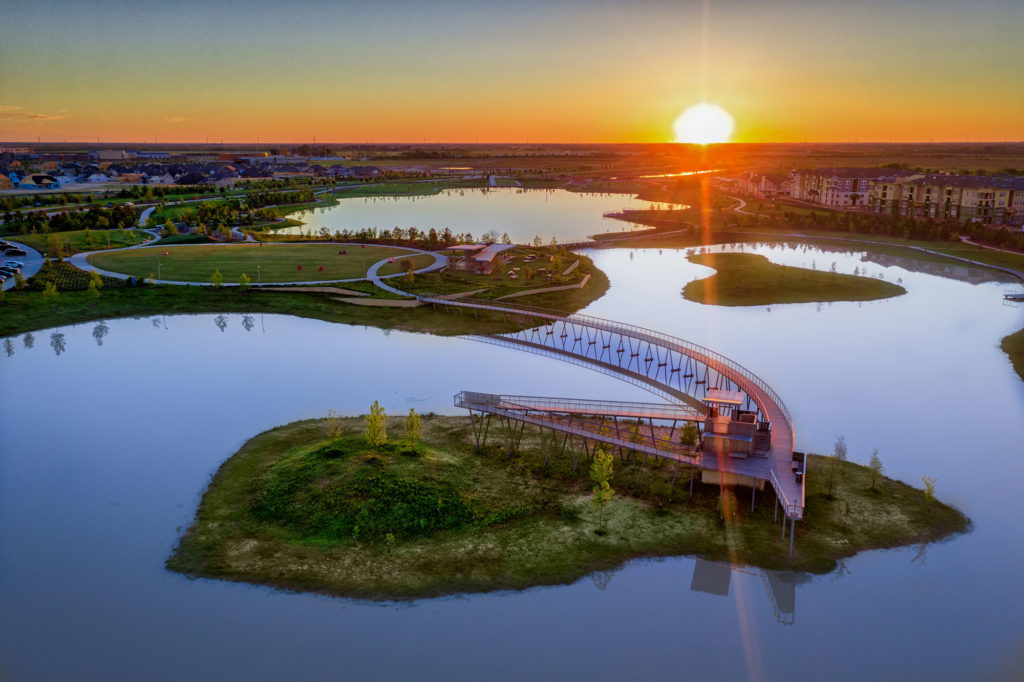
109	433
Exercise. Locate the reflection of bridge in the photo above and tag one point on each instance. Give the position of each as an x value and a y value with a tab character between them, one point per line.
713	577
754	448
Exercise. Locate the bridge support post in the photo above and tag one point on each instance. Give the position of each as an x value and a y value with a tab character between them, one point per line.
792	532
784	519
691	481
753	496
775	513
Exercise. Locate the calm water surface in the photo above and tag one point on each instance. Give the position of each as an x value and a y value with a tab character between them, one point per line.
108	435
523	214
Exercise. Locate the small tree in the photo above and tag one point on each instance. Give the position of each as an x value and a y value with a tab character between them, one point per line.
876	469
95	280
55	247
929	489
91	291
600	472
333	426
19	281
412	427
216	279
50	291
376	425
170	228
689	434
244	282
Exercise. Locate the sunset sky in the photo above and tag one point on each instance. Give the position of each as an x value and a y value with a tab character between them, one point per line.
549	71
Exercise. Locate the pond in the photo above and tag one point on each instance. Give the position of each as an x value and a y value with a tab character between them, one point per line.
111	431
522	213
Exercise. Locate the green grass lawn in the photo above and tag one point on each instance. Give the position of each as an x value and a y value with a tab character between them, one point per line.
278	262
78	240
404	520
749	279
419	261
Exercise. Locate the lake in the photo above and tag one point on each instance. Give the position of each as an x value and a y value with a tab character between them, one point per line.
522	213
111	431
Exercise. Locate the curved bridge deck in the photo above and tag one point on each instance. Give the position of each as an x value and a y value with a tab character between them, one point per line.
675	369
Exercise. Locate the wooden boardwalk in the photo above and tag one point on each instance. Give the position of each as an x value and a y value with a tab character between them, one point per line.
680	371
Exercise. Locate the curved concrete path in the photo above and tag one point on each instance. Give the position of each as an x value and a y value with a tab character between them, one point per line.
80	261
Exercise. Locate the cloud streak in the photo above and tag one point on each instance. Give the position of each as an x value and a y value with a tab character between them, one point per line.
176	119
13	113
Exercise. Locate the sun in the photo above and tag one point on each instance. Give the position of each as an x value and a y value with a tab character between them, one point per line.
703	124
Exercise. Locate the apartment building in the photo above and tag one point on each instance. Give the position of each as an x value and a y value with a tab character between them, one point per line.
765	185
846	188
967	198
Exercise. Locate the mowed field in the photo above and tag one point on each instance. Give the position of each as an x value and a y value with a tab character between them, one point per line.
277	263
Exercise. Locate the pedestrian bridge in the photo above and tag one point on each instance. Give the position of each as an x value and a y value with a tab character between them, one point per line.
684	374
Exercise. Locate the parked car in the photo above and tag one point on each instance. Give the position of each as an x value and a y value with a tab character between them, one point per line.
16	252
14	264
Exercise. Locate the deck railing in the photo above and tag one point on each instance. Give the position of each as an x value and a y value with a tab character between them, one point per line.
635	331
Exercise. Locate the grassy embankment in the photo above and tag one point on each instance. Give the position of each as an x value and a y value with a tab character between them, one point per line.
293	510
29	310
1013	345
746	279
84	240
277	262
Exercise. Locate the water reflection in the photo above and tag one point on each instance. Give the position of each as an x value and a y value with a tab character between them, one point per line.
29	340
8	347
248	322
713	577
221	321
99	332
57	343
960	273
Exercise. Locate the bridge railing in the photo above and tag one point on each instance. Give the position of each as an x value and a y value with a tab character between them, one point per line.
580	405
792	510
611	325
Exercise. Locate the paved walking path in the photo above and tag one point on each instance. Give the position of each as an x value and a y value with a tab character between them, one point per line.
440	261
80	261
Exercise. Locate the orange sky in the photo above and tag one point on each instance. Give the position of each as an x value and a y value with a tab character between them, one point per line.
531	72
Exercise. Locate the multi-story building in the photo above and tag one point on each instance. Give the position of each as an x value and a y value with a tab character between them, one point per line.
765	185
847	188
981	199
1015	214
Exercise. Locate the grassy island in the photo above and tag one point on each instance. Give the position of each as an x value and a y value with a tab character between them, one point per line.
1013	345
407	519
744	279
